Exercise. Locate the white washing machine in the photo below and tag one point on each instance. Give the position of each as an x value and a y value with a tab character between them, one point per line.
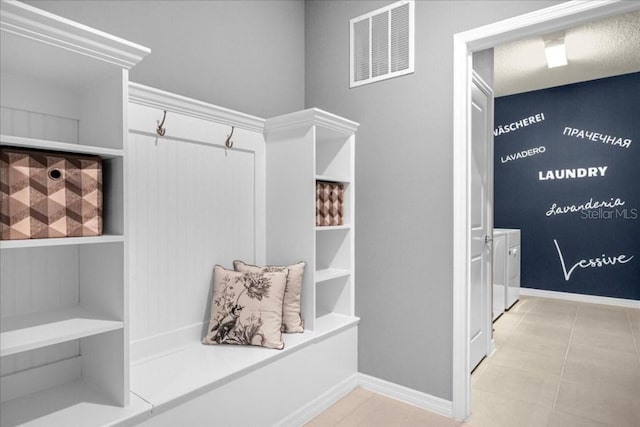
506	269
499	272
513	268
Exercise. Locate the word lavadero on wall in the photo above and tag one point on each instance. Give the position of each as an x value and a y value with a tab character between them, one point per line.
567	173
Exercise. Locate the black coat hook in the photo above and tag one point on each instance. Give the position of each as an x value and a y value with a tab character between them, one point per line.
229	143
161	130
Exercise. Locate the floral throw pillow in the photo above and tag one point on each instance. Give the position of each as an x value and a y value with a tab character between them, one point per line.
291	319
246	308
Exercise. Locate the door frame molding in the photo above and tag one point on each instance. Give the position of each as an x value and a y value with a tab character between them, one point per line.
555	18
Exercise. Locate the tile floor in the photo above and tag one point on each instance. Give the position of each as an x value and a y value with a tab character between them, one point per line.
557	364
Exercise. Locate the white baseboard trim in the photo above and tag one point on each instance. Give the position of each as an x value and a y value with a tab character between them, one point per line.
394	391
406	395
591	299
312	409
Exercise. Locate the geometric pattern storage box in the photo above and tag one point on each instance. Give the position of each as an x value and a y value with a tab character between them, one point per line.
47	194
329	203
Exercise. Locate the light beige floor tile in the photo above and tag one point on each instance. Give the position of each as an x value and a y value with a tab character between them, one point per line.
562	419
590	373
522	305
527	386
527	360
603	321
604	404
613	339
540	330
322	420
558	320
603	356
382	411
548	305
477	372
634	320
345	406
539	345
492	410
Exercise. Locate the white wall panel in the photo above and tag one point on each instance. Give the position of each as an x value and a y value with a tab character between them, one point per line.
37	125
192	204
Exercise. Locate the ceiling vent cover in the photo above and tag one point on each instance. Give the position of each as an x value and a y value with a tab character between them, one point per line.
381	43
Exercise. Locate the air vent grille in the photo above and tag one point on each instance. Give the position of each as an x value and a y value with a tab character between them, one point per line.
382	44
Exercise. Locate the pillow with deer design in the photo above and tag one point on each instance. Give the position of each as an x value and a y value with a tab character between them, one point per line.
246	308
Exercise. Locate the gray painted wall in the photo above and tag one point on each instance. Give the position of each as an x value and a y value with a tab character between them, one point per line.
250	56
404	183
483	65
243	55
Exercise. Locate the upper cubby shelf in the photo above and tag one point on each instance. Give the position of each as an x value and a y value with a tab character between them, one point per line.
60	51
41	144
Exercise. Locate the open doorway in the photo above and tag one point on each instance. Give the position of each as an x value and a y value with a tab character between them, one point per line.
537	23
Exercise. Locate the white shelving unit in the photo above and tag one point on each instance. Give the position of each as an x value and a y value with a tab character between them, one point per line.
63	308
302	148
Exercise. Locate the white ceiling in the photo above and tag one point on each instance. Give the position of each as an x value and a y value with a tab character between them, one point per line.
598	49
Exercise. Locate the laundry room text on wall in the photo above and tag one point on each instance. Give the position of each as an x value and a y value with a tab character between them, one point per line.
569	178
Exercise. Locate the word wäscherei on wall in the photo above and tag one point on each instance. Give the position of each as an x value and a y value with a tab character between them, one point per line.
513	126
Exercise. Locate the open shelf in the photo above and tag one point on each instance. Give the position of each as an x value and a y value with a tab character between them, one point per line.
72	404
333	227
60	241
42	144
31	331
331	273
333	178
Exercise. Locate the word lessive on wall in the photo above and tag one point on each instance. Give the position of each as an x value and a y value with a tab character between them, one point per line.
567	173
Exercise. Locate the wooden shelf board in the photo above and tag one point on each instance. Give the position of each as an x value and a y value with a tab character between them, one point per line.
194	369
331	273
36	330
41	144
71	404
332	227
334	322
60	241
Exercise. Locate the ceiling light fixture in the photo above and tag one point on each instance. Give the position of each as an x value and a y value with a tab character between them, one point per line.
555	52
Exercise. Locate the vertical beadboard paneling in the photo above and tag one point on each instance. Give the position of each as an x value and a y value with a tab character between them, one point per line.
29	124
191	207
38	279
38	357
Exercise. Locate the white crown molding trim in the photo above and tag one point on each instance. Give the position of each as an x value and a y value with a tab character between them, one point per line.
407	395
309	117
591	299
156	98
36	24
539	22
314	408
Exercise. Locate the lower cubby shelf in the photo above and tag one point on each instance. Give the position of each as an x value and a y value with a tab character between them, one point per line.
35	330
72	404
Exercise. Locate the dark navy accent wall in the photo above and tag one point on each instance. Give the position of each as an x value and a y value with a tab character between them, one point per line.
567	173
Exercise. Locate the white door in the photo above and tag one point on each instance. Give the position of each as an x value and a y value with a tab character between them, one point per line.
481	216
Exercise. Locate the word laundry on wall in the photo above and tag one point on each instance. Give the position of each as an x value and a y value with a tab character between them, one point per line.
566	174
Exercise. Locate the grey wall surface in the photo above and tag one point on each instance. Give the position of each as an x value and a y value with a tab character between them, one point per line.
404	183
243	55
483	65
